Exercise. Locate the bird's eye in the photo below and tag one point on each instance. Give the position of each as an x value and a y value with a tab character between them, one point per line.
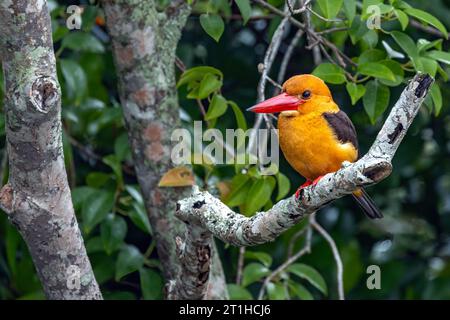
306	94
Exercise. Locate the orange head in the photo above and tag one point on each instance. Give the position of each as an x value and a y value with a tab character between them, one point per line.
298	92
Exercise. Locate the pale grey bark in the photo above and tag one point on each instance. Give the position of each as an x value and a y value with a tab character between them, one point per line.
144	41
195	257
37	197
202	210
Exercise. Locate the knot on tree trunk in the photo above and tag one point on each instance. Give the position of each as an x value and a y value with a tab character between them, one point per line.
44	94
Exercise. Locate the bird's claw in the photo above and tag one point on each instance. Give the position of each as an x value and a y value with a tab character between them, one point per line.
306	184
316	180
303	186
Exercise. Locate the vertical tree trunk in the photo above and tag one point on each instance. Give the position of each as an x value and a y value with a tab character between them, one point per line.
37	197
144	43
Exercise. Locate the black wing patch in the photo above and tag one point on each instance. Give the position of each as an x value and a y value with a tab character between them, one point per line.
342	127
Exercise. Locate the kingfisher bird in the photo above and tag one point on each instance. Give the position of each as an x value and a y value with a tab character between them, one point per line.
315	136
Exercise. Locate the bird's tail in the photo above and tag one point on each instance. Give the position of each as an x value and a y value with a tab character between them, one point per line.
367	205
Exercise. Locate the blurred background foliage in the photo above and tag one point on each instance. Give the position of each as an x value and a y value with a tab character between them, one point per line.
411	244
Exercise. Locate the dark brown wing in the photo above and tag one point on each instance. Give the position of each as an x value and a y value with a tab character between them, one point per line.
342	127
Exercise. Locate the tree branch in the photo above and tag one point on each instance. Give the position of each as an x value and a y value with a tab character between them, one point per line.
202	210
144	42
37	196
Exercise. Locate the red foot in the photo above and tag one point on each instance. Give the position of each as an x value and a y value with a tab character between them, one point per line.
316	180
299	190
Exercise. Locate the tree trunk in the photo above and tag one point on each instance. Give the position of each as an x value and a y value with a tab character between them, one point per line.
144	42
37	197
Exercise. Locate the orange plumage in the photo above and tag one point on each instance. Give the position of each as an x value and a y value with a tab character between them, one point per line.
315	135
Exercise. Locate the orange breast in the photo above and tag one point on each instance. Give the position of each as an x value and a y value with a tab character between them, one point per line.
310	146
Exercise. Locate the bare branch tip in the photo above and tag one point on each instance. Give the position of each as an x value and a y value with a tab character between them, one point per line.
424	82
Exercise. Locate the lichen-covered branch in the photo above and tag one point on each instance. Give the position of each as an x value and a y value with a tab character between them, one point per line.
37	196
204	210
195	257
144	41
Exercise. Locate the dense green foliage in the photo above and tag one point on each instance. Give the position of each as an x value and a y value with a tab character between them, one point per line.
411	244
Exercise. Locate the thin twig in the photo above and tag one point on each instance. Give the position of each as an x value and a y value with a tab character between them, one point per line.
321	17
305	249
299	10
430	30
336	255
264	69
288	55
312	41
331	30
240	266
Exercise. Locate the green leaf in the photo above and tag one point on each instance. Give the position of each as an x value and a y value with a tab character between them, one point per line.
139	217
209	84
129	260
196	74
217	107
350	10
424	45
82	41
330	8
113	231
116	166
370	39
284	185
253	272
427	18
94	245
440	56
407	44
236	292
428	66
402	18
358	29
103	266
245	9
258	195
376	70
396	69
436	96
122	147
152	284
135	193
371	55
367	4
442	73
97	179
300	291
310	274
355	91
239	189
75	79
213	25
353	265
239	115
262	257
330	73
79	196
95	208
276	291
12	242
375	100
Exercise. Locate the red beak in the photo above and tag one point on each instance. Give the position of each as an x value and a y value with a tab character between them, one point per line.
282	102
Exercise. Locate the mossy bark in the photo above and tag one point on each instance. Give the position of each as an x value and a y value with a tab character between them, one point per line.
144	40
37	196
